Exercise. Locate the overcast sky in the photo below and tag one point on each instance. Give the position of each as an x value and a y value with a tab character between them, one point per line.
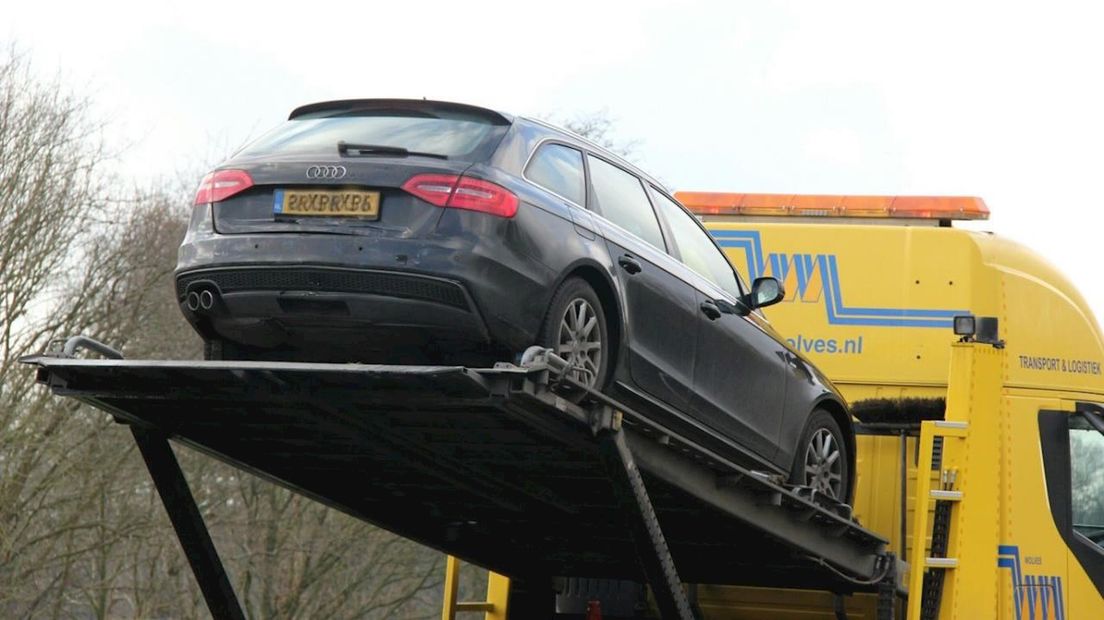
1000	100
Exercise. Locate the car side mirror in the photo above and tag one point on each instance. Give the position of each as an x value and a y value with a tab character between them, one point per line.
765	291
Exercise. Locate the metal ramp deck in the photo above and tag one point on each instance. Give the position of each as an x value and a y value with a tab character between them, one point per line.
489	465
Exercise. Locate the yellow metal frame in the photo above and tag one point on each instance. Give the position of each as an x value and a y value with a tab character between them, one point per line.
494	608
968	476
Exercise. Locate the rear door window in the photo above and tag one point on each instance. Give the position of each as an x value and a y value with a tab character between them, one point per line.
621	200
696	247
559	169
450	133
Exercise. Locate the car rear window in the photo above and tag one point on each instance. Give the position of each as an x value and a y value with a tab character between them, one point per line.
559	168
453	134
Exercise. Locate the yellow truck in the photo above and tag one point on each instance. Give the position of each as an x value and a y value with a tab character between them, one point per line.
974	367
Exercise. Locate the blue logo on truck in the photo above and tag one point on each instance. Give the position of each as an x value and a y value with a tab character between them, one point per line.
811	278
1040	595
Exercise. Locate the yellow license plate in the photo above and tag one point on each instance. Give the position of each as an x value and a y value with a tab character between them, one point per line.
326	203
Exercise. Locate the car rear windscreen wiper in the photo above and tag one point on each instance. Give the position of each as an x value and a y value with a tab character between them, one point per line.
348	148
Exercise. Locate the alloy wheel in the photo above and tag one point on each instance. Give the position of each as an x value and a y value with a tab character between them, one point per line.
823	463
580	341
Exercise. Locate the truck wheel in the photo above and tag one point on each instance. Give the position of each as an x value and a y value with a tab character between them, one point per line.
575	329
821	461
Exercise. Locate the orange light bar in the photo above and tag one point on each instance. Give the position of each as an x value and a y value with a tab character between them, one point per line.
811	205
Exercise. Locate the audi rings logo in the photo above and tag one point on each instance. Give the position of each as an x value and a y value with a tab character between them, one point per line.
326	172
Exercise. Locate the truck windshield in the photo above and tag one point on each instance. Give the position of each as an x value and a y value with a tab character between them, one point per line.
1087	473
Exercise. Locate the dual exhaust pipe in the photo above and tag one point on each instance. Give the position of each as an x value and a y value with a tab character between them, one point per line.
202	299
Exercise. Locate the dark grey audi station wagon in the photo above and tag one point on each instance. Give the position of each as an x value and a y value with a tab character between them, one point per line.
425	232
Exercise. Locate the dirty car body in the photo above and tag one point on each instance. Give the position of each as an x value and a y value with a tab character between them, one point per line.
407	231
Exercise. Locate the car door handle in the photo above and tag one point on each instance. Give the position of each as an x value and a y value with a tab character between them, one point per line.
710	310
629	264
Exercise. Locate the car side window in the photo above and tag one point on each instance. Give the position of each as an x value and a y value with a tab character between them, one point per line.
696	247
559	169
621	200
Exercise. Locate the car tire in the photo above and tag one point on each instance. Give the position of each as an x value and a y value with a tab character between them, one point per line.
822	460
576	330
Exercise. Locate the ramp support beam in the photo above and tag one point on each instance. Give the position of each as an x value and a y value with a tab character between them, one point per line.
188	523
651	547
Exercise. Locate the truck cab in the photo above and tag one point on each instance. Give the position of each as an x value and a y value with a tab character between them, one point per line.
873	286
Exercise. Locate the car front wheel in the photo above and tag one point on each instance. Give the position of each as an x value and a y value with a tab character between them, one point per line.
822	461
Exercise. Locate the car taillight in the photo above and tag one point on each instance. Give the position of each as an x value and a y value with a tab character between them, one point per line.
460	192
432	188
222	184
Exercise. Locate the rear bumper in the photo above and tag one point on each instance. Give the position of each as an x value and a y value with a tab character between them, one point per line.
358	298
309	307
313	280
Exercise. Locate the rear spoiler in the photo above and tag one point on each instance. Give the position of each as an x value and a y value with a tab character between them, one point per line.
424	105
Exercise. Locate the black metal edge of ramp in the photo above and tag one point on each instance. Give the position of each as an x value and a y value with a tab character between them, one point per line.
63	375
768	508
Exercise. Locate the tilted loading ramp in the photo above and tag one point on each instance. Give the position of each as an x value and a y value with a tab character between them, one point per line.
489	465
